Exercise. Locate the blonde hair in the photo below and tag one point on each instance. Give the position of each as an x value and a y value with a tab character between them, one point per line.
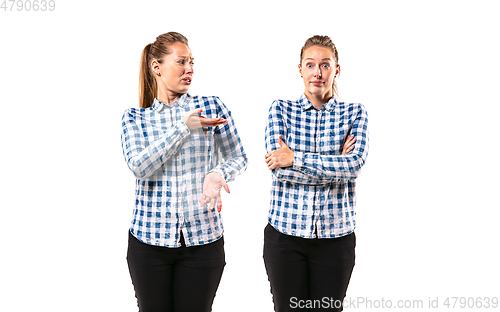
326	42
157	50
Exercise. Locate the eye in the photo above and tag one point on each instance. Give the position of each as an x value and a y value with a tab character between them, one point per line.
309	65
192	64
326	66
181	62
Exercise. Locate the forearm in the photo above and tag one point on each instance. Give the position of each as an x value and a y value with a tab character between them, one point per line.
142	159
232	168
231	157
333	167
289	174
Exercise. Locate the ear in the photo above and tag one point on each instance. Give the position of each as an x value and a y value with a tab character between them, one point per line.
155	66
300	70
337	70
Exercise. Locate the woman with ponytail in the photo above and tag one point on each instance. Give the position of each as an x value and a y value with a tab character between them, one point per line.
316	147
182	150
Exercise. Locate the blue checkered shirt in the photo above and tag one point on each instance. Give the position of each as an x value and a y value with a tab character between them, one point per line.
316	196
170	163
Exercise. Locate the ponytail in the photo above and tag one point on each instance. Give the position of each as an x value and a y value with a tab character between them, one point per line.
147	83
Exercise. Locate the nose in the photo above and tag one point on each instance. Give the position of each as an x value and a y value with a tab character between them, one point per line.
317	73
189	69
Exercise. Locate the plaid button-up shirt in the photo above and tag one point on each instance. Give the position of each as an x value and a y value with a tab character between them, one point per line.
316	196
170	163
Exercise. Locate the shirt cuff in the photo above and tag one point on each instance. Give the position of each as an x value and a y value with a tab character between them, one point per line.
183	128
298	160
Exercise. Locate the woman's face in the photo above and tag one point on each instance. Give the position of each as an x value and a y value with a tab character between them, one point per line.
176	70
318	69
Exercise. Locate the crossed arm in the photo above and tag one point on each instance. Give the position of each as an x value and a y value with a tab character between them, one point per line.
315	168
283	157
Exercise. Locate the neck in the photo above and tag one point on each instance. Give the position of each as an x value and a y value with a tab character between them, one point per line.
166	96
318	99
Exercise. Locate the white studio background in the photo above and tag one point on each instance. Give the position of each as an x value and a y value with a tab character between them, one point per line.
428	208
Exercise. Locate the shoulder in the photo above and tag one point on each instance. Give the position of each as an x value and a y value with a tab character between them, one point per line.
206	101
285	108
353	108
135	113
210	104
285	105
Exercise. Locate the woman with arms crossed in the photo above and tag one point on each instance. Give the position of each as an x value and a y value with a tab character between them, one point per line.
309	242
181	160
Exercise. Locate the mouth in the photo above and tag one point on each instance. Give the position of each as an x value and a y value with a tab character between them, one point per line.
317	83
187	80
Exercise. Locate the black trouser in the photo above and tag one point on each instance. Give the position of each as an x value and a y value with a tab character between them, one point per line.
308	274
182	279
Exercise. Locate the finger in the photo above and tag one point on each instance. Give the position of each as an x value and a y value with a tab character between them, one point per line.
206	119
226	188
195	111
351	144
212	122
272	156
348	144
203	200
280	141
219	203
269	161
347	150
272	166
275	163
212	204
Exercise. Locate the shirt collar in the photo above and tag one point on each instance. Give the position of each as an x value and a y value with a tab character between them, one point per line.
306	104
182	101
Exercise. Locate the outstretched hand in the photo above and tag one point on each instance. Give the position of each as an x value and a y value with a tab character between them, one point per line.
282	157
195	121
211	191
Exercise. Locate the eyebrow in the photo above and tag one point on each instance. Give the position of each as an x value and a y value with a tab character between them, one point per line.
326	58
186	57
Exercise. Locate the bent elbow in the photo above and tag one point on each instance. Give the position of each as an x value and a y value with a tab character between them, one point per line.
138	170
245	162
357	166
